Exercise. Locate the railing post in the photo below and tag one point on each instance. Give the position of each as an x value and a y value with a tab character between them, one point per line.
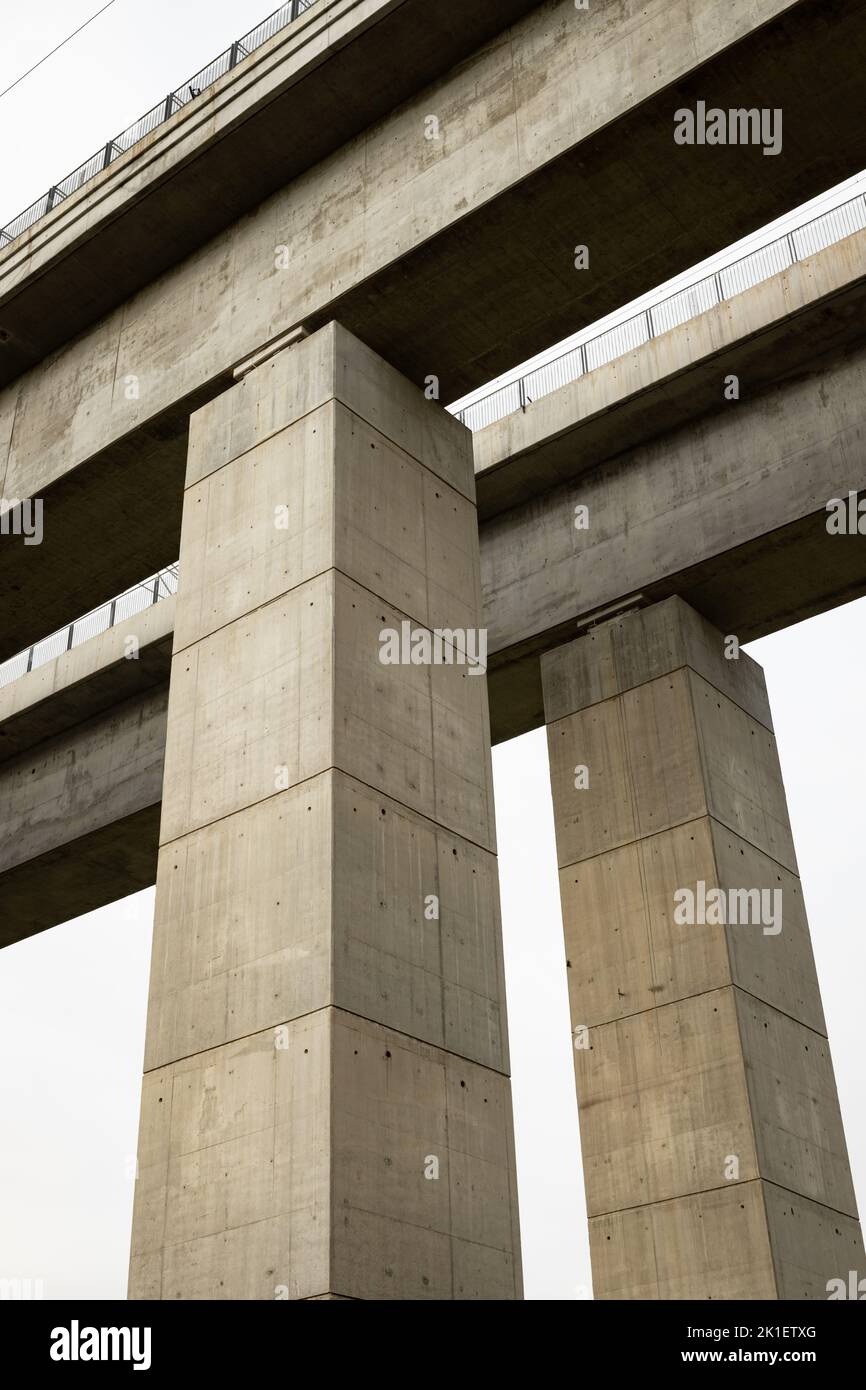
718	282
584	369
295	10
169	106
52	197
522	391
107	153
69	637
156	589
791	247
649	323
30	659
233	55
112	611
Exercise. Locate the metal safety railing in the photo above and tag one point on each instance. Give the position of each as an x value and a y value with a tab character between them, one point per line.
688	303
165	108
126	605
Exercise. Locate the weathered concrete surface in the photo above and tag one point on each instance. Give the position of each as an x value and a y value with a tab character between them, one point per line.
703	1073
327	937
91	678
80	816
312	87
82	741
722	502
275	1172
777	329
452	257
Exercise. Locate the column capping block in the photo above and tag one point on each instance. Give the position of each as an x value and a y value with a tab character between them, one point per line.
625	652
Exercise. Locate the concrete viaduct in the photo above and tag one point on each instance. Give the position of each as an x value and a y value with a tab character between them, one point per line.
218	349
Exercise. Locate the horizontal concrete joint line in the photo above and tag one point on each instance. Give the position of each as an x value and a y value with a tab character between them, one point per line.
683	1196
701	993
677	825
723	1187
353	777
419	623
312	1013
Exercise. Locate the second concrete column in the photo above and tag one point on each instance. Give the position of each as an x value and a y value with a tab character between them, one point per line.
715	1163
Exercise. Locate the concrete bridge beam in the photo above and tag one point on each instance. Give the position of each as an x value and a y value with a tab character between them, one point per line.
452	257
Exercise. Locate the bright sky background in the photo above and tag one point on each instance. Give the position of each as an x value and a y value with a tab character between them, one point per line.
72	1001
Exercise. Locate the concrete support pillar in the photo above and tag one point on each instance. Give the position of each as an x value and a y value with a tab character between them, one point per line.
326	1108
714	1157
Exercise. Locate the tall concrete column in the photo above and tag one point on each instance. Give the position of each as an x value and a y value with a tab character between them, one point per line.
714	1158
326	1107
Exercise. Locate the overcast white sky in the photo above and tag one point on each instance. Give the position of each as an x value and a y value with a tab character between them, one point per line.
72	1001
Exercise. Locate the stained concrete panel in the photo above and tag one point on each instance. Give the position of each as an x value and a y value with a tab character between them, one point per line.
667	752
663	1103
416	732
251	699
240	934
385	725
740	758
261	522
242	1145
798	1126
648	958
714	1245
259	924
644	959
811	1244
753	1240
231	522
439	980
232	1197
627	796
778	969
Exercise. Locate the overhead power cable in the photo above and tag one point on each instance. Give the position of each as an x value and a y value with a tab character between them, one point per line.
57	49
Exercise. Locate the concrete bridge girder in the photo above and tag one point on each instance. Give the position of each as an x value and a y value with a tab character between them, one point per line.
441	267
